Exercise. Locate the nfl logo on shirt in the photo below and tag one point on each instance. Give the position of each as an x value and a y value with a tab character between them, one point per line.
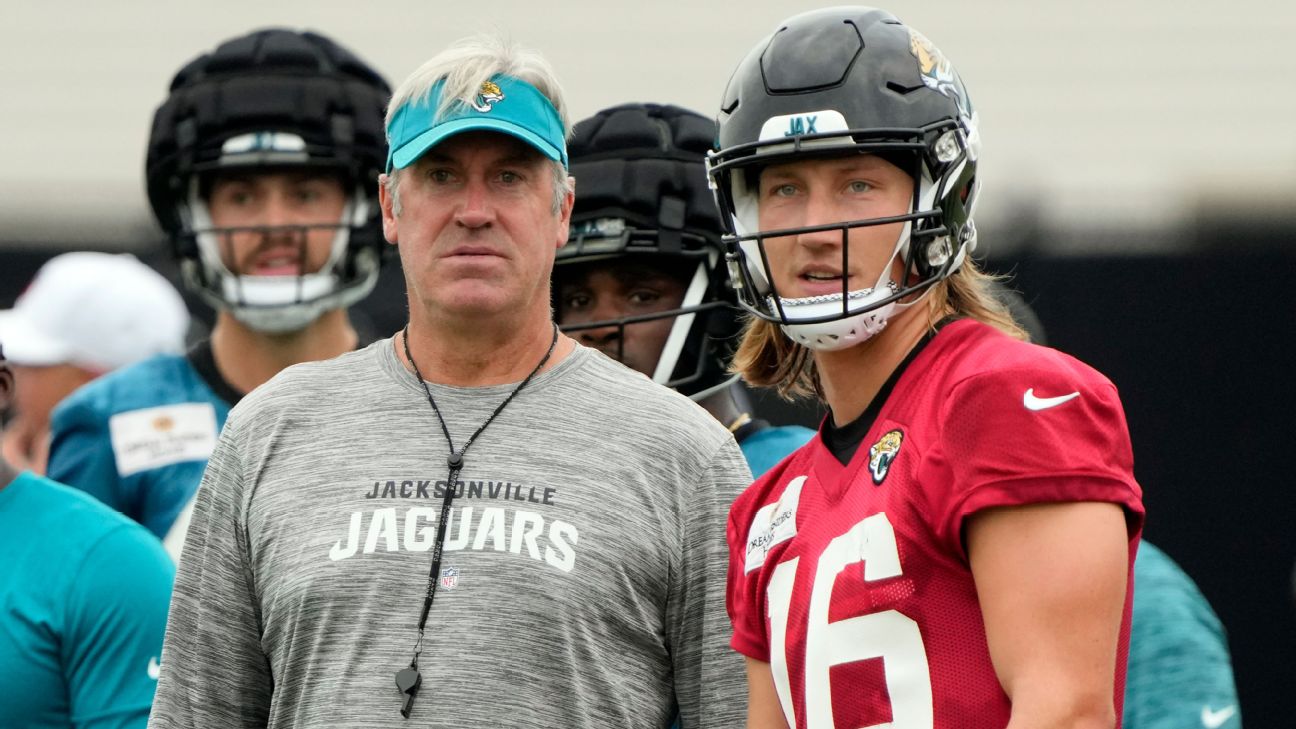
450	578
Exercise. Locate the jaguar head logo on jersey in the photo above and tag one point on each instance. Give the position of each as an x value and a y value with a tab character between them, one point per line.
883	453
487	97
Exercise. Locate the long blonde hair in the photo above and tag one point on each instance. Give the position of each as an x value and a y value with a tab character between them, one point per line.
768	358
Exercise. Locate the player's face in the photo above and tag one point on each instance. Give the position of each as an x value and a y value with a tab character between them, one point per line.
477	232
297	213
39	389
602	291
6	383
825	191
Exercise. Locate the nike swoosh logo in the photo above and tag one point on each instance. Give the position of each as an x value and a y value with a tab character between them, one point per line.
1044	403
154	669
1215	719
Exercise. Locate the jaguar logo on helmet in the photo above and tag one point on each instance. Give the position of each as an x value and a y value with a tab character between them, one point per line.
883	453
937	72
489	95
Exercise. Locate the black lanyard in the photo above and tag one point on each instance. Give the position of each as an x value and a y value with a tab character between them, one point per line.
409	679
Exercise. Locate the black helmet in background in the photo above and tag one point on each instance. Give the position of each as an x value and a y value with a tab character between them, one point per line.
641	192
271	100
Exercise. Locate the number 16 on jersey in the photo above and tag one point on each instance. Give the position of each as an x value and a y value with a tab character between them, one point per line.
887	634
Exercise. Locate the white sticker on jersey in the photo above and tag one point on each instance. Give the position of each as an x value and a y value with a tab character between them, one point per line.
772	524
161	436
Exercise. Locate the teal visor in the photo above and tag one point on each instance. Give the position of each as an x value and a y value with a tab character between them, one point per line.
504	104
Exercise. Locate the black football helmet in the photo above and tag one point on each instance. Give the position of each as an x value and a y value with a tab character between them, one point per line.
271	99
841	81
641	190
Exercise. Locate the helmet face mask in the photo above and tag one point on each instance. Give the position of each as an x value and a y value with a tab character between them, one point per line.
877	88
643	201
274	102
325	271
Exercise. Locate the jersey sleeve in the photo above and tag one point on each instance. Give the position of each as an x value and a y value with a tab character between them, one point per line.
81	454
116	617
214	672
710	684
1054	432
1179	670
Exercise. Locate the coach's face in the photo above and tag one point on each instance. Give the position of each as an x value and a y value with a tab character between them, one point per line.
477	229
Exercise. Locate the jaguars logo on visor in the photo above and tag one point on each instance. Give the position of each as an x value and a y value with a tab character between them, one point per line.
489	95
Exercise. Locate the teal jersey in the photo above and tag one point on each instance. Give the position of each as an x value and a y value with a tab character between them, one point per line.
83	607
766	447
1179	673
139	438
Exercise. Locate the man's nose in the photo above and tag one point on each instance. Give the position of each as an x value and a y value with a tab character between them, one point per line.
476	209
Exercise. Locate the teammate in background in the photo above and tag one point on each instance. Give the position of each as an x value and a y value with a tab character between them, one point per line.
85	594
955	550
84	314
477	522
262	168
642	277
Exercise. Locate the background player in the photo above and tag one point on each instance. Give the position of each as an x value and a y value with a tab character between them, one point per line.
969	515
642	277
85	594
262	168
84	314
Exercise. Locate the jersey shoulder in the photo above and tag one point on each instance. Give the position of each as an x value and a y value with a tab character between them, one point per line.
160	380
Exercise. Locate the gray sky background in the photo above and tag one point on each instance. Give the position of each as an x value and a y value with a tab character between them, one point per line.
1136	112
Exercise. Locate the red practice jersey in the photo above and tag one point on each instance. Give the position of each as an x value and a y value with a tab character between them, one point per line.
853	582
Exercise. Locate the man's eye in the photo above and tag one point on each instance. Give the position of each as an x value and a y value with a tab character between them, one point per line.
785	190
860	186
440	176
576	301
509	177
644	297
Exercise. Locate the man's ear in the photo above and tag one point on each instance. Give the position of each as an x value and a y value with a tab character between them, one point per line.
565	211
6	385
387	203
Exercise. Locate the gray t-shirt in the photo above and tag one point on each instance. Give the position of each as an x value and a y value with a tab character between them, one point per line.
583	579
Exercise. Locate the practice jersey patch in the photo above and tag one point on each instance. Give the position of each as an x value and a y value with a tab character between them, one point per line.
772	524
160	436
883	453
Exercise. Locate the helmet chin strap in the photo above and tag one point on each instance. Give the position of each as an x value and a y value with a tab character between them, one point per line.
864	319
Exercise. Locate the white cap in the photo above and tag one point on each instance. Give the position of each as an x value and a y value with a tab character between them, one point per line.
99	311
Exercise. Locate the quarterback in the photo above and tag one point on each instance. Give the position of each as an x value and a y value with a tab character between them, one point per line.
955	548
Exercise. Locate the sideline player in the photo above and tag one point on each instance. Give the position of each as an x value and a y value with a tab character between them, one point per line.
481	523
642	277
83	315
955	549
84	592
262	167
